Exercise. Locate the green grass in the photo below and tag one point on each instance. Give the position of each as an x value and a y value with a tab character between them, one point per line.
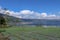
33	33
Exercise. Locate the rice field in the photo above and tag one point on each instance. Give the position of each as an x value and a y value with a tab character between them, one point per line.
32	33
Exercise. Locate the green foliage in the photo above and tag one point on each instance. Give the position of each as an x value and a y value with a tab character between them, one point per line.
2	22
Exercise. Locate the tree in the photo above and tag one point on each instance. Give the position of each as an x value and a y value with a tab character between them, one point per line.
2	22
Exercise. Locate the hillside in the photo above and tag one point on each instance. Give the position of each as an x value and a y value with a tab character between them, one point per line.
14	21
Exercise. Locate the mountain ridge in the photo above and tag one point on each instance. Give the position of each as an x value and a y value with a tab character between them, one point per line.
14	21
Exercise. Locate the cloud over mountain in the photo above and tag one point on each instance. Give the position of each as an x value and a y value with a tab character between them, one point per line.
28	14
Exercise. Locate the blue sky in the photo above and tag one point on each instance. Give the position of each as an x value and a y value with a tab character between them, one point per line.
48	9
49	6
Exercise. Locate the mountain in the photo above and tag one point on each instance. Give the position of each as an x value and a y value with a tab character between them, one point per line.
14	21
9	19
48	22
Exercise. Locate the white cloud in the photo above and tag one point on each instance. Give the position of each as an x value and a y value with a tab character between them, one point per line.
52	15
43	14
28	14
